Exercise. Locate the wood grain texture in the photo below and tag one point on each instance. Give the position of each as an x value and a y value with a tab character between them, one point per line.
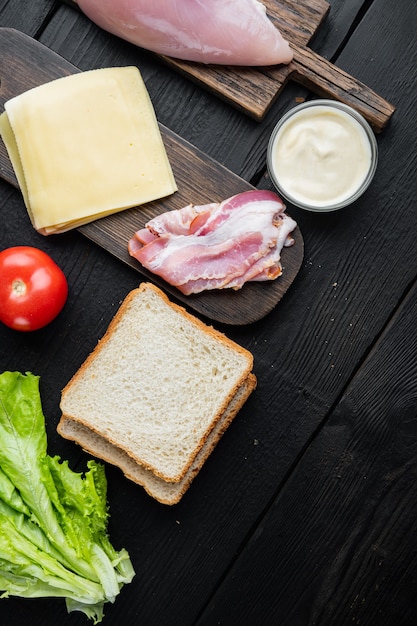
336	542
342	18
329	81
196	114
333	531
254	90
29	19
25	63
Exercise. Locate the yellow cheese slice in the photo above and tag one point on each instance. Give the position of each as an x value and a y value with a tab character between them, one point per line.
85	146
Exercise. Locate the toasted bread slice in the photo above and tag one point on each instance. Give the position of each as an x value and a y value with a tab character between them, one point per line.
156	384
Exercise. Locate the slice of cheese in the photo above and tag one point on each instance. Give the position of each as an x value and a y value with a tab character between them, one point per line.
85	146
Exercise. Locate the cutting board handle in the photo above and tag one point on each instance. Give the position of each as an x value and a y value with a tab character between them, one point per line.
324	78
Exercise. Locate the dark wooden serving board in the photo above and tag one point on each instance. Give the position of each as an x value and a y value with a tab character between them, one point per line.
253	90
25	63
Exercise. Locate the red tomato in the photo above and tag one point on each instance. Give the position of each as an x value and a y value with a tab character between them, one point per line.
33	289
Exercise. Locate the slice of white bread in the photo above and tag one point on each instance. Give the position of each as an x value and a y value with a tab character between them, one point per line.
157	385
163	491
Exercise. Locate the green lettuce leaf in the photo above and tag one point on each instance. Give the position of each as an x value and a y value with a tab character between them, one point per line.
53	521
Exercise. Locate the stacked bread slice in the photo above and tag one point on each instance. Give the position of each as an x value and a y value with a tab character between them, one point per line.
157	393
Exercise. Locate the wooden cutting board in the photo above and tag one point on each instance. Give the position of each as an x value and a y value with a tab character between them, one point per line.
253	90
25	63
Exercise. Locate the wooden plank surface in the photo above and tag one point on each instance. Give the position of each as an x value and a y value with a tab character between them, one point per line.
25	63
253	90
31	19
358	265
352	496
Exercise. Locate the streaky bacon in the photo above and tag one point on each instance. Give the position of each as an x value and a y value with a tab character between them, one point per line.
217	245
181	221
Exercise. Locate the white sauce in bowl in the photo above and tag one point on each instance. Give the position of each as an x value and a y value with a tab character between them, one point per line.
321	156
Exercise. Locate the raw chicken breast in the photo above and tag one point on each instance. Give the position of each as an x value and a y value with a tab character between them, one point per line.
223	32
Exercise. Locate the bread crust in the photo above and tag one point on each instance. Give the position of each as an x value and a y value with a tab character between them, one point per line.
156	487
209	331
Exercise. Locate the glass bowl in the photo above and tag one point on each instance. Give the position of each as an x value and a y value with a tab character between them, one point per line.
322	155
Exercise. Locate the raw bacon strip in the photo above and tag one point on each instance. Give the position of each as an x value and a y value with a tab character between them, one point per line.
265	268
217	245
145	236
184	258
181	221
221	250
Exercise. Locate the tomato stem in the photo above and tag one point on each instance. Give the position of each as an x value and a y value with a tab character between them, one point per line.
19	287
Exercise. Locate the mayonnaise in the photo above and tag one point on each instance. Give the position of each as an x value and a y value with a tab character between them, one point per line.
320	156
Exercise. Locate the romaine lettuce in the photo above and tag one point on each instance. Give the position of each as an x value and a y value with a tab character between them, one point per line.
53	521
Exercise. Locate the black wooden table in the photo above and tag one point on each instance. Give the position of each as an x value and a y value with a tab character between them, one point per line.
306	513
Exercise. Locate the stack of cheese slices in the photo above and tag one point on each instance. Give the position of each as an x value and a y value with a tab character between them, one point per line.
157	393
85	146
